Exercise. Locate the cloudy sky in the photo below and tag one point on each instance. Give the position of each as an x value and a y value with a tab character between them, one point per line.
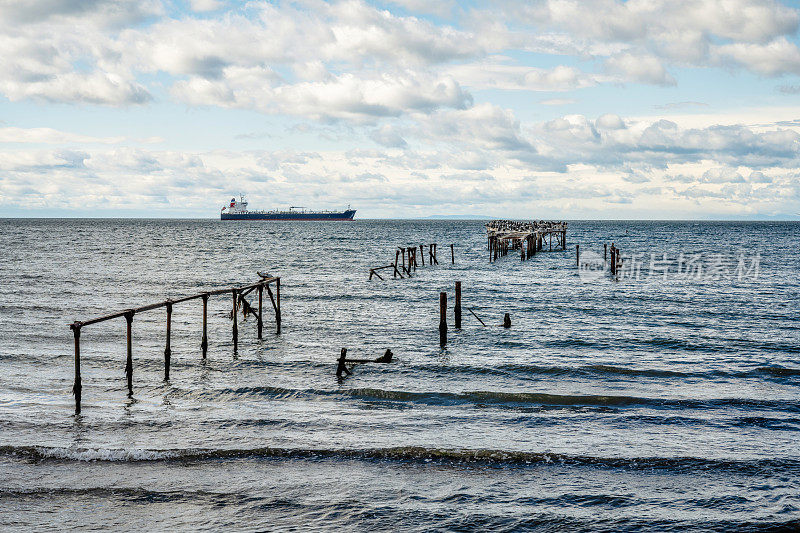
402	108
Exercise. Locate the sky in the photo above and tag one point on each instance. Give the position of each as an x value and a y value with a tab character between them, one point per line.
567	109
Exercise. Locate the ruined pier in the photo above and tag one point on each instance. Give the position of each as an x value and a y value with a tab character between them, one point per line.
504	236
239	302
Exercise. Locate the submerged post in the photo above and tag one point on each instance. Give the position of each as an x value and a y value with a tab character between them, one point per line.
76	386
507	321
341	368
129	362
457	309
578	254
614	253
278	305
421	253
204	341
235	325
452	255
167	350
260	309
442	319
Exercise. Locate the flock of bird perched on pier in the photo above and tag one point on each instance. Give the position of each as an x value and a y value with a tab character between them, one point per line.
503	235
528	237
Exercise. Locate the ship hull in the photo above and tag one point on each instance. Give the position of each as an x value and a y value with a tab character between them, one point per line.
344	216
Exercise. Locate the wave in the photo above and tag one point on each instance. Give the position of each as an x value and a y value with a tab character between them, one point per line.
600	369
778	371
573	370
400	453
504	398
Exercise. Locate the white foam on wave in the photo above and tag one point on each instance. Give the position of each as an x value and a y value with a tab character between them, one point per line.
100	454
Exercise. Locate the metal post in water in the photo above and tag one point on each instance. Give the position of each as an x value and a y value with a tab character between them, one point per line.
442	319
235	325
167	350
457	309
129	362
278	304
260	308
76	386
204	341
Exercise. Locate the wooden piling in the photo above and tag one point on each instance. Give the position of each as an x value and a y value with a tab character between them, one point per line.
452	254
204	340
605	251
235	324
457	309
578	254
507	321
167	350
129	362
260	310
442	319
76	386
435	251
278	308
613	260
422	253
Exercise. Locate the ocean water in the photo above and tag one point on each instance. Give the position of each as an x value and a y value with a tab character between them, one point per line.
667	399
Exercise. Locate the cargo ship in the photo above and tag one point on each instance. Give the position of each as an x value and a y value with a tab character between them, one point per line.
237	210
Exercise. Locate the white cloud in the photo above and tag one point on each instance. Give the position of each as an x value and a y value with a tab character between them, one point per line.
680	32
50	136
771	59
441	8
206	5
554	166
106	13
721	175
93	88
484	127
389	137
641	68
341	97
609	121
513	77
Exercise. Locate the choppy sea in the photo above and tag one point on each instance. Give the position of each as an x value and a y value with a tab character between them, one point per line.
666	399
